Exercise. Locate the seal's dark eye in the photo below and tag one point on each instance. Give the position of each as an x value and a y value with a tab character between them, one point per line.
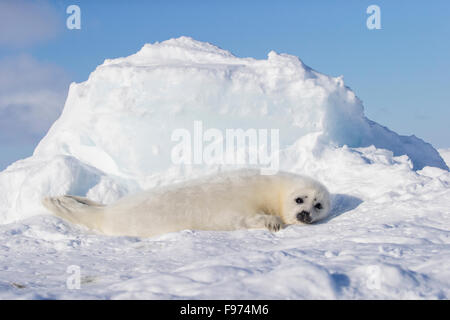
299	200
318	206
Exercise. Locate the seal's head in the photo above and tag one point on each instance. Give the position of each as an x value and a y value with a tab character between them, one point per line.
305	201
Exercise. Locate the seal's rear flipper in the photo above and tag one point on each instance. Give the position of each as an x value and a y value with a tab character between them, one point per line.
85	201
75	209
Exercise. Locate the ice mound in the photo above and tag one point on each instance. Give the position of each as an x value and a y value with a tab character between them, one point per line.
445	154
115	133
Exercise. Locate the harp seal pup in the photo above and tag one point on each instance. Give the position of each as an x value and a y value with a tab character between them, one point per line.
242	199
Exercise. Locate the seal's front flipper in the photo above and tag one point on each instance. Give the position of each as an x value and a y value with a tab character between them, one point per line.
270	222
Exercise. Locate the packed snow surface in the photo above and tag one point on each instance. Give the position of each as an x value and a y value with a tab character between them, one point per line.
388	236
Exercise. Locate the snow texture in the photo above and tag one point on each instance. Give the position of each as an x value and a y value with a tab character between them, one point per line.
388	236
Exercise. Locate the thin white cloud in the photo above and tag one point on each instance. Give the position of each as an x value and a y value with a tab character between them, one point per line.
32	95
25	23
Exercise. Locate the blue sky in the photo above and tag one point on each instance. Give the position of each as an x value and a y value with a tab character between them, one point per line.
401	72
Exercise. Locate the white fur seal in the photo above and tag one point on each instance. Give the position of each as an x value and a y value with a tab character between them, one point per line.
227	201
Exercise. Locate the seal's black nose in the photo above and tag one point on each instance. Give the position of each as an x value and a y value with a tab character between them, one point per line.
304	217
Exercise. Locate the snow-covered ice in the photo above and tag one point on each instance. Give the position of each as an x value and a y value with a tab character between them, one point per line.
445	154
388	236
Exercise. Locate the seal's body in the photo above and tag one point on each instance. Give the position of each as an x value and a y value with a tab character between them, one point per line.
228	201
